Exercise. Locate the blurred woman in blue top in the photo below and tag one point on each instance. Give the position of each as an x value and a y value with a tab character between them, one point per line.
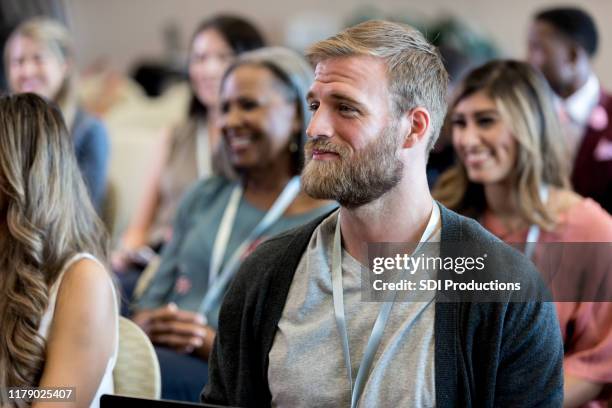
39	58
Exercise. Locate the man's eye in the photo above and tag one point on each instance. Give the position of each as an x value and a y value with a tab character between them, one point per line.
344	108
313	106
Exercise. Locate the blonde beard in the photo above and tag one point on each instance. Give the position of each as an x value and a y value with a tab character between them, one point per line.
357	180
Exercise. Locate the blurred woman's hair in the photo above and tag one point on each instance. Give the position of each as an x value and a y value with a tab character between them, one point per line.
296	75
240	35
526	106
45	218
56	38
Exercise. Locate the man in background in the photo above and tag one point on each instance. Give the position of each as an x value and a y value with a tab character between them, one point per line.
562	43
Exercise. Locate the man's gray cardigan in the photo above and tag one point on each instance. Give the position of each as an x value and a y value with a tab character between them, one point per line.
502	354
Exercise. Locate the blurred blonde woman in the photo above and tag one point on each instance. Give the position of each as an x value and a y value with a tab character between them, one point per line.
512	175
39	58
58	311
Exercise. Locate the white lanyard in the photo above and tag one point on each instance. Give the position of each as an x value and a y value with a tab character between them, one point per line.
223	234
381	320
534	230
219	279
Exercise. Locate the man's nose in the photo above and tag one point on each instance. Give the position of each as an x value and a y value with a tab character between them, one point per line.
320	124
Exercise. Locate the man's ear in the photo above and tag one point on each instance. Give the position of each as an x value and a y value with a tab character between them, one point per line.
573	53
419	122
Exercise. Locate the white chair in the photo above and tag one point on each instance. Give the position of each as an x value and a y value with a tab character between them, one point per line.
136	372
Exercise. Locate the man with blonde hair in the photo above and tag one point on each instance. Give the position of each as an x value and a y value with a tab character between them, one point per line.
294	330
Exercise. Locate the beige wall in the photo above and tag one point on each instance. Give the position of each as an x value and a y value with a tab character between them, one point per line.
122	30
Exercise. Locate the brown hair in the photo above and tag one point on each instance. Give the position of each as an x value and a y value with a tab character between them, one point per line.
45	218
525	103
416	74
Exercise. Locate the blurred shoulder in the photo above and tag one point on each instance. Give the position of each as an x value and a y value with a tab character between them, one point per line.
85	122
182	131
202	192
583	219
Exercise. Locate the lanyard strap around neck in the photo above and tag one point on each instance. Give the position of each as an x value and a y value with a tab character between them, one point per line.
533	235
219	279
381	320
223	233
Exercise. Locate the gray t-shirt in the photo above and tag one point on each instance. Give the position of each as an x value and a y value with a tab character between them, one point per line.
307	367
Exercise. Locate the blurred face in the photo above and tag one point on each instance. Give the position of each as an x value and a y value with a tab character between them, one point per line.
210	56
484	143
257	120
351	154
551	54
32	67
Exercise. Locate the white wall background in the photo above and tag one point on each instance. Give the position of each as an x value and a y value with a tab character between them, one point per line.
124	30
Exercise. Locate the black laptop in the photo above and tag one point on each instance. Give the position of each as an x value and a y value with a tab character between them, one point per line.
117	401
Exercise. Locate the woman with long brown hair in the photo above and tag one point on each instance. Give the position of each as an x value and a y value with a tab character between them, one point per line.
513	176
58	310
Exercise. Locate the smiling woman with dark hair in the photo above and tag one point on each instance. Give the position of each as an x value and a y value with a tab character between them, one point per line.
263	123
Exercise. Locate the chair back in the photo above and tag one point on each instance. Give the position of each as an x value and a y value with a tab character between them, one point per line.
136	372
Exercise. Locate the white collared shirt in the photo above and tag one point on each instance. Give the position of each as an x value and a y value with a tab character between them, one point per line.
581	103
578	108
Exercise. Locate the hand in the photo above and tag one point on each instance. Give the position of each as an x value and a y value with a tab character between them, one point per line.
132	240
181	330
120	260
140	258
207	345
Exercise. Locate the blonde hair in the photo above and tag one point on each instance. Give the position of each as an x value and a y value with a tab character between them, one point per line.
45	218
416	74
525	103
54	36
